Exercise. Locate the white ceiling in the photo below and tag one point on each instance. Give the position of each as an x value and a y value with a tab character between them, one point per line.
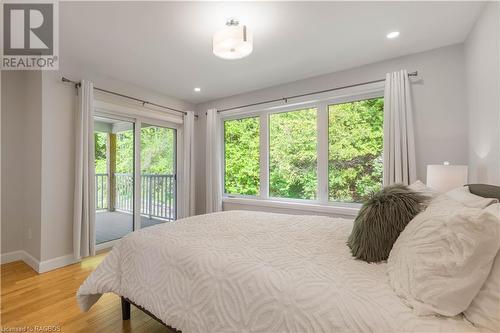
166	46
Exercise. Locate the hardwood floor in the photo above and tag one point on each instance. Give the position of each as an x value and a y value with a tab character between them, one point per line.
29	299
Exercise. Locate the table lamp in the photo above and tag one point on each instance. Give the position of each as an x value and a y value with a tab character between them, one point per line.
445	177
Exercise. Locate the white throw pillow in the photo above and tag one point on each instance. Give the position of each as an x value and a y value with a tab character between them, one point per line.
463	195
418	186
443	257
484	310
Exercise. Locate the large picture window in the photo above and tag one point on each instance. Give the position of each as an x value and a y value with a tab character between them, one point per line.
292	154
325	152
355	141
241	156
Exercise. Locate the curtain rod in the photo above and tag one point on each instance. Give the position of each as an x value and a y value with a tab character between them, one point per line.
285	99
78	84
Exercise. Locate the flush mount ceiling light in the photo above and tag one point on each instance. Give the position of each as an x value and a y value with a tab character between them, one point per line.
392	34
235	41
197	89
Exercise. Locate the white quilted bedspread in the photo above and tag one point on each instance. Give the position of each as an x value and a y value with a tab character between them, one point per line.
242	271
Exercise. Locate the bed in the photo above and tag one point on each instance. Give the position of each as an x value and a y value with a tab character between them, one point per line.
242	271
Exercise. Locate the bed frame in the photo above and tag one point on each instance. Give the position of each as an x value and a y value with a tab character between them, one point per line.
483	190
126	313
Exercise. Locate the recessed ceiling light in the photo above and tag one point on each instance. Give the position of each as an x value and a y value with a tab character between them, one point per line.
197	89
393	34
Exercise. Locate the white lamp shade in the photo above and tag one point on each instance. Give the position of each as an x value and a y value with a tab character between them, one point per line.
443	178
233	42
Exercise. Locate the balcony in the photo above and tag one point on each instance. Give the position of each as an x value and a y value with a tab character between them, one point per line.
114	208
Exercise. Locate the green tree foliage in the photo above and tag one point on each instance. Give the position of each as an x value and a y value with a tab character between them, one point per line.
100	141
241	153
157	151
292	154
355	145
125	152
355	152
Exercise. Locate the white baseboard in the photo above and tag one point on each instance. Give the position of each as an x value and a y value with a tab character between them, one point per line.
55	263
31	261
12	256
21	255
38	266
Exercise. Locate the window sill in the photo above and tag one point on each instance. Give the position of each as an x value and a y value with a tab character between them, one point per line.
344	210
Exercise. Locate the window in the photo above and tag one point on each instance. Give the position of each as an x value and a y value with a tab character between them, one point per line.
323	152
355	141
292	154
241	156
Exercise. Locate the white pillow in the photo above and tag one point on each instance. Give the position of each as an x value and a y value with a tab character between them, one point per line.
484	310
494	209
463	195
443	256
418	186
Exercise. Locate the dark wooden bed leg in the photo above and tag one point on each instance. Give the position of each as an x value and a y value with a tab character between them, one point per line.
125	309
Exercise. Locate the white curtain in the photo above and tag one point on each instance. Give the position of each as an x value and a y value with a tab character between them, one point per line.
84	204
213	163
399	140
188	166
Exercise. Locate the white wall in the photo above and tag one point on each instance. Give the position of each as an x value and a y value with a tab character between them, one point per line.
58	125
12	147
76	72
438	98
33	163
482	60
21	161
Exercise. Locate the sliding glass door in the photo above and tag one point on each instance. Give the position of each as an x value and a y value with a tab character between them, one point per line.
158	174
114	178
122	146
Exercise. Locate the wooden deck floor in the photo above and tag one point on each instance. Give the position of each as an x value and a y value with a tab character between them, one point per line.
114	225
29	299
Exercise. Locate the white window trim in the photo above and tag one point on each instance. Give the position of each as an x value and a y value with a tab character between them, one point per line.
320	102
344	209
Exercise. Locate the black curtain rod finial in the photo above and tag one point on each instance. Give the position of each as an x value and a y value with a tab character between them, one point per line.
77	84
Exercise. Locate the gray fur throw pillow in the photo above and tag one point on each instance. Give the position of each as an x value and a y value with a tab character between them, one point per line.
381	220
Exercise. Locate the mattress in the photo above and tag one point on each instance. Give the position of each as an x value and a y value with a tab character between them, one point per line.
242	271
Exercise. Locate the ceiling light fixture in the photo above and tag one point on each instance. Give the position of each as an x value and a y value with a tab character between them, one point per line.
197	89
393	34
235	41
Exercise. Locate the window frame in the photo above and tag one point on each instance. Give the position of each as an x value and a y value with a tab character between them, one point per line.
320	102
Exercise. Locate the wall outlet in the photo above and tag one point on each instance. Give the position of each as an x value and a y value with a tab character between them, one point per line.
30	234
